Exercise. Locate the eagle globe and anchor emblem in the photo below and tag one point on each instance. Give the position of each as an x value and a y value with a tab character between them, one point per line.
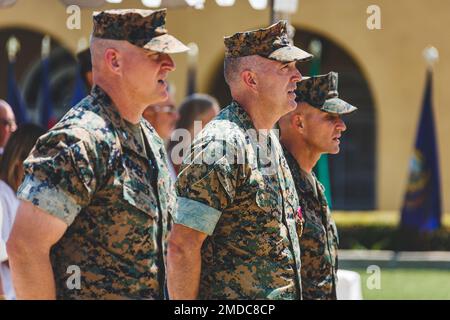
419	177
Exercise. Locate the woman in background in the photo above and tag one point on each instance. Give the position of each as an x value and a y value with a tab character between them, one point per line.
197	107
11	174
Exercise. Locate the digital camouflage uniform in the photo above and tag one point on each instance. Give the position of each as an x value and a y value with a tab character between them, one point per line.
107	179
252	251
244	199
319	240
91	172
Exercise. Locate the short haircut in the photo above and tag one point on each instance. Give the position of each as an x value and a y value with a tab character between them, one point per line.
230	69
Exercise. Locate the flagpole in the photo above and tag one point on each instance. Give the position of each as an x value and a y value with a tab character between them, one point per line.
431	56
47	112
192	68
46	47
422	208
82	44
281	10
14	96
272	11
12	47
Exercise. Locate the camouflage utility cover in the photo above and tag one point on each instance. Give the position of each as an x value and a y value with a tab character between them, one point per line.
319	242
272	43
321	92
252	251
91	172
142	28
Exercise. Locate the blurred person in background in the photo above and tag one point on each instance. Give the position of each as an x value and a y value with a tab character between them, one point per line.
163	117
7	124
197	107
11	175
85	64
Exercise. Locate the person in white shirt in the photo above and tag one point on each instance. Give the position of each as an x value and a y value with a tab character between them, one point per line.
11	173
7	124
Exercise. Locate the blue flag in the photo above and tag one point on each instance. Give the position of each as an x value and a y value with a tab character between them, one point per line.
15	98
422	204
48	118
80	89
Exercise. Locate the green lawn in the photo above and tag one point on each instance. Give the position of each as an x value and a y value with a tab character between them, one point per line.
405	284
379	217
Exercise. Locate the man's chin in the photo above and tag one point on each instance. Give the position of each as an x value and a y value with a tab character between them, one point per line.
335	150
158	98
290	106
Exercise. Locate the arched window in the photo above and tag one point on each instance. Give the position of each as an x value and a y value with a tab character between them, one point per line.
28	71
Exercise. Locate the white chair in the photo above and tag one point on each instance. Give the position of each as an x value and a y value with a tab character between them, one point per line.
348	285
3	255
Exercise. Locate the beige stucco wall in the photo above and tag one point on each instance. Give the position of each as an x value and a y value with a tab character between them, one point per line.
391	60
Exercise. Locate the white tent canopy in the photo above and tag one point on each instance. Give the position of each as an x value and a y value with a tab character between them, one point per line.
6	3
286	6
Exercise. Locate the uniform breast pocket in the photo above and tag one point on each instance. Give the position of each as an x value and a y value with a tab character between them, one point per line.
139	194
314	237
268	195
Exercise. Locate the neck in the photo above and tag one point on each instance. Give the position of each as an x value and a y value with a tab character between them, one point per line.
261	116
128	108
305	156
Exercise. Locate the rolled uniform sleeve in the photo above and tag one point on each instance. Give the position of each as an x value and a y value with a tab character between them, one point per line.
205	187
60	173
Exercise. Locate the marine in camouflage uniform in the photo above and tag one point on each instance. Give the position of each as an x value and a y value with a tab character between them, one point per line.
107	179
319	240
227	191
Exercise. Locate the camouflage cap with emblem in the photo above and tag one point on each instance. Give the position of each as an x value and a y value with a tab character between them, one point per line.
272	43
142	28
321	92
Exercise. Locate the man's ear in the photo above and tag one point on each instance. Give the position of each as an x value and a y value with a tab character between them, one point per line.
249	79
113	60
297	121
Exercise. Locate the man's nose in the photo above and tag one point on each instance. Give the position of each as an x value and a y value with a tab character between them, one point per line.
168	63
297	76
341	125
